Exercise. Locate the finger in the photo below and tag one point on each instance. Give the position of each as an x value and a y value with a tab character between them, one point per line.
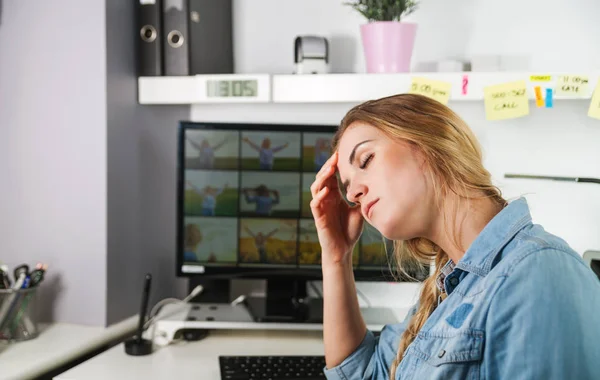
327	172
331	162
316	201
317	185
329	182
328	179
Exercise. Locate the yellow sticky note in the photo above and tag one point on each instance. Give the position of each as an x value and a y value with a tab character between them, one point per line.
540	78
434	89
594	110
506	101
572	86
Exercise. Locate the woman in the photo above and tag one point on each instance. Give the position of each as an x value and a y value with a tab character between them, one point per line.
209	196
265	152
507	299
206	152
193	237
263	199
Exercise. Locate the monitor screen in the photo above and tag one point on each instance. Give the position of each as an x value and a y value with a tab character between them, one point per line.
595	265
244	204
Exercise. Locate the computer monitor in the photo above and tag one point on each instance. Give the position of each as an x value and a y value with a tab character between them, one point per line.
243	211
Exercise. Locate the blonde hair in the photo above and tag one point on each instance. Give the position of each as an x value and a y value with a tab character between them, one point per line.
193	236
453	160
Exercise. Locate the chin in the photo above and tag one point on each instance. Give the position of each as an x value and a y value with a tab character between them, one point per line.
391	230
385	229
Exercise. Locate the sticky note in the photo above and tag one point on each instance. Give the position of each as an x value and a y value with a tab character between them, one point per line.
540	78
506	101
594	110
549	102
539	98
434	89
572	86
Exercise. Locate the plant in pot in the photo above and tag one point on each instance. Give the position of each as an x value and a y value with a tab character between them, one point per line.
387	41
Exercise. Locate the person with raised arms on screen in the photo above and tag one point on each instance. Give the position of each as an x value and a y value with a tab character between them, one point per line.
192	238
260	241
322	150
206	152
508	300
265	152
262	198
209	196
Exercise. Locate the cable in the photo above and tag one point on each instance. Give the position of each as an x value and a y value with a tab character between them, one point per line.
364	298
159	305
358	292
315	289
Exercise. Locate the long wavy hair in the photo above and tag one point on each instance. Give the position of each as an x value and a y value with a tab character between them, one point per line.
454	165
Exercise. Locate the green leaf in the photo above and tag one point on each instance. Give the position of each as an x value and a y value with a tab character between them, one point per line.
384	10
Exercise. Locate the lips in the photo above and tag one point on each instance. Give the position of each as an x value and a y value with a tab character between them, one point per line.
369	206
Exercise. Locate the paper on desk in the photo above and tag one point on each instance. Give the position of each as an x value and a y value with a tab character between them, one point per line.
594	110
433	89
506	101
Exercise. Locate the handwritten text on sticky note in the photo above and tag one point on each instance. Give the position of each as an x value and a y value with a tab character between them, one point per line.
506	101
540	78
594	110
434	89
572	85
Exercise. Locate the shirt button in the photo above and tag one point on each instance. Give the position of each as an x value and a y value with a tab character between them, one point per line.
441	353
454	281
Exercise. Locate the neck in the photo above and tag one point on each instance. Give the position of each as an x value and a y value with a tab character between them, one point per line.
456	236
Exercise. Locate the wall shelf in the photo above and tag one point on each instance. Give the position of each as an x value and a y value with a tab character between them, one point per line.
336	88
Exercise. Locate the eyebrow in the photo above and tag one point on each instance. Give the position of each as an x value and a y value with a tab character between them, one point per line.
353	153
346	183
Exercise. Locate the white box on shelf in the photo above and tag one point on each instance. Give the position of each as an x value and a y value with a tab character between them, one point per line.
513	63
450	66
485	63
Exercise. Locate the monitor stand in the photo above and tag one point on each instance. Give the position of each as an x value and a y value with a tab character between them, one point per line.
286	301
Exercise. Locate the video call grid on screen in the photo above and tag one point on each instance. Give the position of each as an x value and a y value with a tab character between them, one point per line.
246	195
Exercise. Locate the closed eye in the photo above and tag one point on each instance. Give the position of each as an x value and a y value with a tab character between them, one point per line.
366	161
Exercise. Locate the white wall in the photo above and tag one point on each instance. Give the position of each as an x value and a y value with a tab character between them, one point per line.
53	151
561	141
557	35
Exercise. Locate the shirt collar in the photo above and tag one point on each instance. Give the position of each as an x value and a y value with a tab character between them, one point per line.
494	236
480	256
445	271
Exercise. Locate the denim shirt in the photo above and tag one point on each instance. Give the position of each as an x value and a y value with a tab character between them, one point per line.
521	304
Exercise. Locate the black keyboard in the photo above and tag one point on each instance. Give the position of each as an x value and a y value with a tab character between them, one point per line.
272	367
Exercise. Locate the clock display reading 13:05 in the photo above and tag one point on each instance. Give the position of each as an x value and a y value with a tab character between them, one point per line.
232	88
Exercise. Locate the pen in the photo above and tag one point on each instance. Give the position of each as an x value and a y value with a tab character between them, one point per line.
21	270
5	278
12	300
35	278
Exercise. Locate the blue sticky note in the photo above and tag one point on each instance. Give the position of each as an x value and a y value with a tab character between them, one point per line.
549	101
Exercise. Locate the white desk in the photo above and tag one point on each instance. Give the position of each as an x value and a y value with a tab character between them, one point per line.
57	345
195	360
200	359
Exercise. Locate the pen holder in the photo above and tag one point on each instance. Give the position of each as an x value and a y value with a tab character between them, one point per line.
18	317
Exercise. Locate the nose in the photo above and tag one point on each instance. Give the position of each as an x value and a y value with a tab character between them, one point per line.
356	192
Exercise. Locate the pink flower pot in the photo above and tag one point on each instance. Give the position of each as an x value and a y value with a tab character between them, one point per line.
388	46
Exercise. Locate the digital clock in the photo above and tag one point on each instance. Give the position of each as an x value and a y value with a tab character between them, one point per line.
225	88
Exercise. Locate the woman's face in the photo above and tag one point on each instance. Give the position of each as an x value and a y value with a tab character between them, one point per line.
385	177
